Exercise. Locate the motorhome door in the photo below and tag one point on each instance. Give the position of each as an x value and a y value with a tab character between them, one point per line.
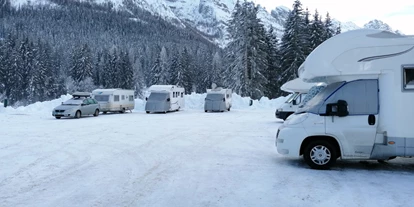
357	130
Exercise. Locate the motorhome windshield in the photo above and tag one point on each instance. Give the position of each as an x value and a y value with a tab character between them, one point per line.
158	96
292	97
215	97
102	98
311	93
321	93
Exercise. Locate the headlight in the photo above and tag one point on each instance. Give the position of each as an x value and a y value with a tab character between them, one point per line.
279	109
296	118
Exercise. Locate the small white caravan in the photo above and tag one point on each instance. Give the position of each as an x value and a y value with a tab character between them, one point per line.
114	99
218	99
365	112
164	98
298	90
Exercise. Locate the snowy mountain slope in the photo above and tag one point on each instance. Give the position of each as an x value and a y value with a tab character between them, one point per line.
378	24
210	17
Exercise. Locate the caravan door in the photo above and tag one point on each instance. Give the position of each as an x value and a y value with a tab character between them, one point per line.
357	130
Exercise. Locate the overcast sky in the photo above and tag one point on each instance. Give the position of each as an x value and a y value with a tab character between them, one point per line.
399	14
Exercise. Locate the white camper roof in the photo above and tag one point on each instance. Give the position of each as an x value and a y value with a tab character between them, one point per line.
297	85
219	90
349	54
164	88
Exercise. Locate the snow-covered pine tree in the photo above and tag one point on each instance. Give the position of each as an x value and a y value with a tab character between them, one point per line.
126	72
159	71
328	31
307	33
185	73
338	29
174	67
293	44
81	67
246	52
272	71
25	71
316	31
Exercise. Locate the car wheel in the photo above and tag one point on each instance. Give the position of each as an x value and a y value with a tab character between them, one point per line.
320	154
78	114
96	113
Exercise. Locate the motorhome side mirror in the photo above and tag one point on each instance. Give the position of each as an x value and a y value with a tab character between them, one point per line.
342	107
339	108
168	99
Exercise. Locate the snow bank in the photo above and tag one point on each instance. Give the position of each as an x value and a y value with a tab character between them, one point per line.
192	102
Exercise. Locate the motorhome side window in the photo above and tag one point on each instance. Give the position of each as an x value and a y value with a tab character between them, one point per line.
123	97
182	94
361	96
408	79
131	98
116	98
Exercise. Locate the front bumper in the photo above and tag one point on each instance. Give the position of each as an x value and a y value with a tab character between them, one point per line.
289	140
63	114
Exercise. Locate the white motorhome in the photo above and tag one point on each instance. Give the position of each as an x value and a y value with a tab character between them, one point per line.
365	112
298	90
114	99
164	98
218	99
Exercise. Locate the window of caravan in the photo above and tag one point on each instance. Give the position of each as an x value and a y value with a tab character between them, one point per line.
123	97
182	94
102	98
131	98
158	96
408	73
116	98
215	97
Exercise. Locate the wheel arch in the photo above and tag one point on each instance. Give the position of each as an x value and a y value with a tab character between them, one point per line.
330	139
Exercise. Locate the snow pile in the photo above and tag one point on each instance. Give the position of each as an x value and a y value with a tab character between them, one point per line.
192	102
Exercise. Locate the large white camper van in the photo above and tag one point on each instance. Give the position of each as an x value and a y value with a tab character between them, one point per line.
365	112
114	99
164	98
298	90
218	99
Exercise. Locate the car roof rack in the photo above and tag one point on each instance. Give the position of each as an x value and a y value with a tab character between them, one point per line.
81	94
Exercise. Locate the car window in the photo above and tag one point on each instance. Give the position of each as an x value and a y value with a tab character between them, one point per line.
90	101
85	101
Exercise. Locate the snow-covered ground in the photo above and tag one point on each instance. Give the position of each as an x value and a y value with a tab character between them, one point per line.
185	158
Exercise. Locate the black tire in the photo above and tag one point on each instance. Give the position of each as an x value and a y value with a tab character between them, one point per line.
320	154
96	112
205	111
104	112
57	117
229	109
147	112
122	111
78	114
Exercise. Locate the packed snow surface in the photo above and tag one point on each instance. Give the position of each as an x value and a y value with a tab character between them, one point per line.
184	158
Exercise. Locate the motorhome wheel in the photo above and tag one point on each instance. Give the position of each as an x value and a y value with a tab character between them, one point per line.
320	154
122	111
57	117
105	112
147	112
